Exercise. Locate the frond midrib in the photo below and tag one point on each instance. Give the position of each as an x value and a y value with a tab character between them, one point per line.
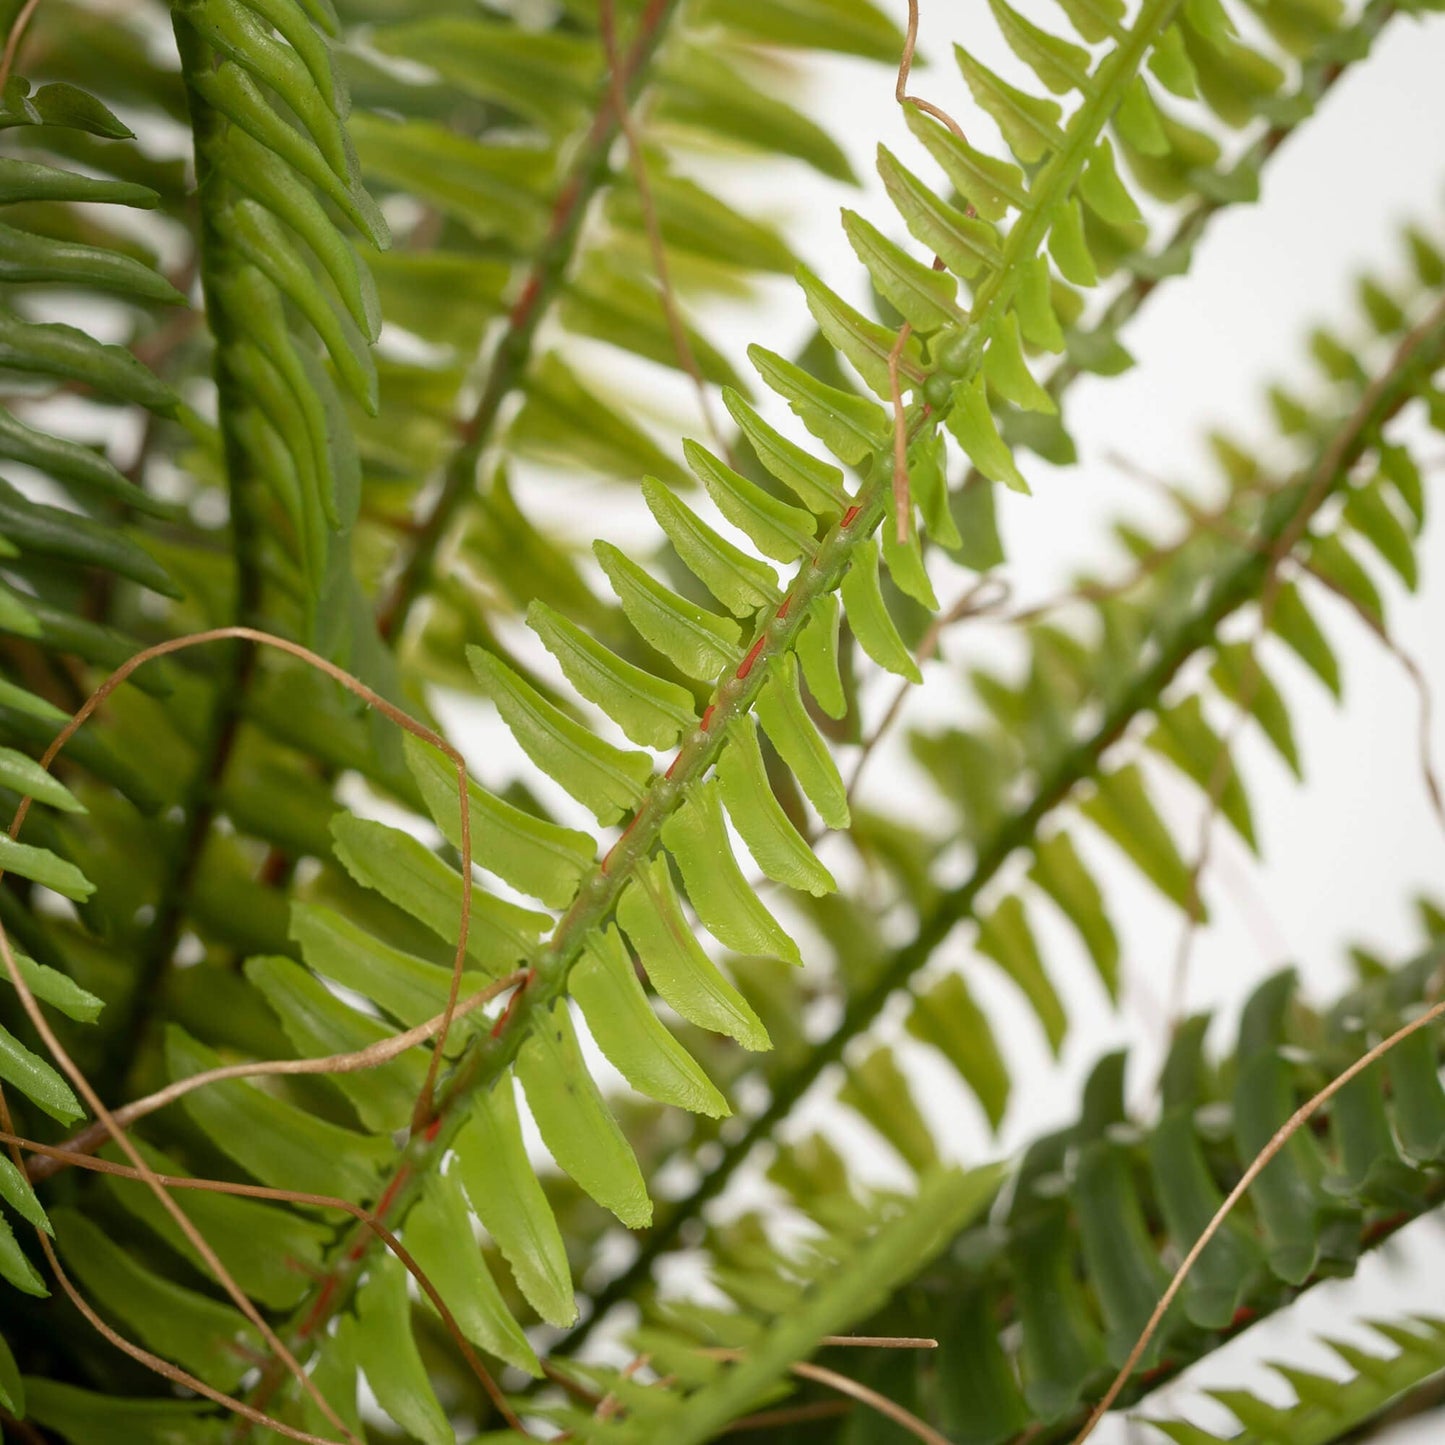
1236	589
774	637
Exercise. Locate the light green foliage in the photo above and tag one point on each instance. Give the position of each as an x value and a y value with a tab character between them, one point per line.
438	1233
318	1023
869	618
25	1070
499	933
780	850
235	861
530	853
576	1126
740	582
627	1031
386	1351
817	484
509	1201
648	709
696	837
790	730
699	642
679	969
607	780
778	530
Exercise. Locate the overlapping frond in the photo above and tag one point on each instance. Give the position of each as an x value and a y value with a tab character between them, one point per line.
675	819
1064	749
82	535
533	210
52	552
283	284
1327	1409
1037	1304
681	812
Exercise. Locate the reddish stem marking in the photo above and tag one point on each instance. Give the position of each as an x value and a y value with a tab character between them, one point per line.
849	516
566	202
784	606
746	666
524	301
707	716
314	1272
512	1002
388	1195
319	1308
632	823
1386	1226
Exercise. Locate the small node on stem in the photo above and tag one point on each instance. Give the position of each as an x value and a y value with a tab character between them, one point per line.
938	390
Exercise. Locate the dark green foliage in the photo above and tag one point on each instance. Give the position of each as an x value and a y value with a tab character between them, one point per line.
386	230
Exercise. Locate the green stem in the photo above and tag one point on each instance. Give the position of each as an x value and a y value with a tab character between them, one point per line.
1317	78
1289	514
487	1058
514	351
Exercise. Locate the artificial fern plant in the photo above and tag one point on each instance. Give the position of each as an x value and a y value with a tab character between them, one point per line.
309	321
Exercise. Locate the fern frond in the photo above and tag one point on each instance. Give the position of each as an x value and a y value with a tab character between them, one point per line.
787	1304
267	241
1037	1303
1052	741
49	547
681	811
686	69
1326	1410
51	553
495	188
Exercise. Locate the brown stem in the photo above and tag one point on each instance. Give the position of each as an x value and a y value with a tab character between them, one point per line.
622	109
14	39
514	351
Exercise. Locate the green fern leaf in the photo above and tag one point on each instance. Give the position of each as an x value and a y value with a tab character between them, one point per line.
679	970
576	1125
696	836
650	710
607	780
629	1034
503	1189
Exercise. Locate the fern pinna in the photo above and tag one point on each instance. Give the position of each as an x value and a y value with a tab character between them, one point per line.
350	490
